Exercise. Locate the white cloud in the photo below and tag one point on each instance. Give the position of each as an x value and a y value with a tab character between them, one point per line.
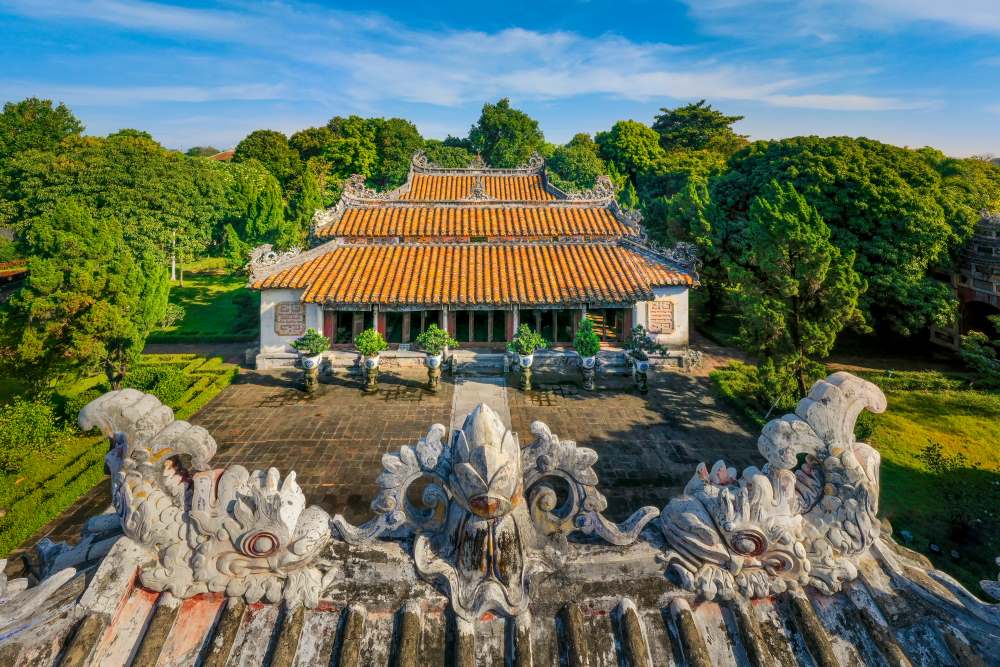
320	54
832	20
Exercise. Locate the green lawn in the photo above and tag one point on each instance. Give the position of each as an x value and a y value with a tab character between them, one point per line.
961	421
45	487
218	308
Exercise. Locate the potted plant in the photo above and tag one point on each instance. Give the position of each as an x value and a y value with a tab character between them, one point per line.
524	344
370	345
587	343
312	345
638	347
434	341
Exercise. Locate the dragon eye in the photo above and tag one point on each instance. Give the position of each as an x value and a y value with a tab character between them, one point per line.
260	544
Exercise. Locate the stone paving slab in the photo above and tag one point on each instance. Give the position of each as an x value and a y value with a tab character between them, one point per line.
470	392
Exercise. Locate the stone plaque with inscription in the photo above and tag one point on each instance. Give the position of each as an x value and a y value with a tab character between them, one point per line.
661	317
290	318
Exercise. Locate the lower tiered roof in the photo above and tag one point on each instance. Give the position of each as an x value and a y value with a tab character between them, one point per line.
457	274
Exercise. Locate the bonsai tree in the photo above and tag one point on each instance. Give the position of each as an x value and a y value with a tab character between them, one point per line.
640	344
370	343
312	343
434	339
526	341
586	343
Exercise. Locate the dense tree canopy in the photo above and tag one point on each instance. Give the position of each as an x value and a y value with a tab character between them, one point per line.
504	136
88	302
630	145
888	205
576	165
271	149
697	127
443	155
396	140
35	124
202	151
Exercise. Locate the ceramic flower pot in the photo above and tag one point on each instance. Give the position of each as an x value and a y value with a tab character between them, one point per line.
434	360
525	360
641	365
588	362
310	363
373	362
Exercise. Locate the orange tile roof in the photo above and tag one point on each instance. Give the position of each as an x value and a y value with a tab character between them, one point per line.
447	187
468	274
462	222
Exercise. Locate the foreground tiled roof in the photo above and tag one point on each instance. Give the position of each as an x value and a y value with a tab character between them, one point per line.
450	187
463	222
477	273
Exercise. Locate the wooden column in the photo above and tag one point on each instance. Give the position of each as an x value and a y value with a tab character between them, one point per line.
329	324
626	324
512	322
407	323
380	322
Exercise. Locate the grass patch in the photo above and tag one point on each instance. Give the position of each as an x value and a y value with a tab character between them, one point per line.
962	422
45	487
219	308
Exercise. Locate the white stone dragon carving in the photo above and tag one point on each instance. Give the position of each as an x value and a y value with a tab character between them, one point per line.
475	535
265	256
246	534
805	518
603	190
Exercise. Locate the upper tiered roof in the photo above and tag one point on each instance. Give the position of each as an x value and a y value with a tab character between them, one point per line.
476	236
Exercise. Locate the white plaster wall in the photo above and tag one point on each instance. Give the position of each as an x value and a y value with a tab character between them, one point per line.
272	343
679	296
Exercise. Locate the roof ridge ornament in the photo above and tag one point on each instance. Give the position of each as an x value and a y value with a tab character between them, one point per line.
265	256
603	190
355	188
478	192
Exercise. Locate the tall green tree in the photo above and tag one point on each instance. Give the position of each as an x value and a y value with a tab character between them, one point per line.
34	124
271	149
257	206
576	165
88	302
632	146
303	204
795	289
885	204
396	140
696	127
504	136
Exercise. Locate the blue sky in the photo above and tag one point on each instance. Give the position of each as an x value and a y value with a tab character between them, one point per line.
910	72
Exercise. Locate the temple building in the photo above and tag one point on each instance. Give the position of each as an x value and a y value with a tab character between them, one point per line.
477	251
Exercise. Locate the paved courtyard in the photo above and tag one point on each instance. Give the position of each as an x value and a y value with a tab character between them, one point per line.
648	444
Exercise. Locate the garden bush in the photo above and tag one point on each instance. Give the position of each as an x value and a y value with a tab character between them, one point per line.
167	383
29	428
915	380
69	405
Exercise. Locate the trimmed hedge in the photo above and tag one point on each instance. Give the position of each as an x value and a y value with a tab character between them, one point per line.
45	487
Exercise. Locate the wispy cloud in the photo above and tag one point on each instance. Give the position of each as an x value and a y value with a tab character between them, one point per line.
833	20
369	58
129	95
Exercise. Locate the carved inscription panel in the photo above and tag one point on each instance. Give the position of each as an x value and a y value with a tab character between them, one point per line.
661	317
289	318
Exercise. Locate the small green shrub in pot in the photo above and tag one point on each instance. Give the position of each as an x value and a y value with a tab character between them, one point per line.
434	340
526	341
312	343
370	343
586	343
640	344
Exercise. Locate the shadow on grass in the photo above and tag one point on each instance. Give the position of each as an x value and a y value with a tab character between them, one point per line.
925	505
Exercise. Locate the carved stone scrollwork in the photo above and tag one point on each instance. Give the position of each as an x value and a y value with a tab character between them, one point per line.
355	188
265	256
807	523
603	190
246	534
535	162
475	536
